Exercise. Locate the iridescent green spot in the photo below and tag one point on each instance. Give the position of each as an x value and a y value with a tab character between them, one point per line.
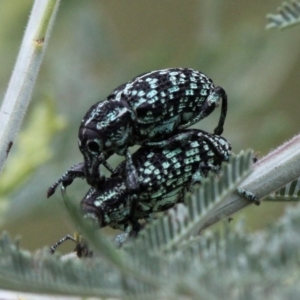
151	154
147	179
177	165
156	172
170	154
165	165
152	100
194	144
147	164
151	167
151	80
152	93
192	152
189	92
148	171
174	160
173	89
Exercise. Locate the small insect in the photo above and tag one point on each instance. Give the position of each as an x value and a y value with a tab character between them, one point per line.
145	111
164	176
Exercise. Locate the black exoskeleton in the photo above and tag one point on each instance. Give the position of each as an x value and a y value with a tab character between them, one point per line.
145	111
164	176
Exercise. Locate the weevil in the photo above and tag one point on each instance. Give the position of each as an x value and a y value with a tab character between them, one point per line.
164	176
145	111
148	109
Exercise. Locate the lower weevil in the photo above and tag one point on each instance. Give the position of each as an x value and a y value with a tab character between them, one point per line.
164	176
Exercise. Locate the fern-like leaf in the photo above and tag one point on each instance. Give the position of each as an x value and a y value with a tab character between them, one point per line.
42	272
289	193
167	232
288	15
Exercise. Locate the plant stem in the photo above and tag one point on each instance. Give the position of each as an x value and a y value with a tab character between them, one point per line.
25	72
271	173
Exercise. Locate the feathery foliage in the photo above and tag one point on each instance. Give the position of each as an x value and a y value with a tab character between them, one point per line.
229	264
289	193
288	15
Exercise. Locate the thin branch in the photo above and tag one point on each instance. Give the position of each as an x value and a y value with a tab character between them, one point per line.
22	81
272	172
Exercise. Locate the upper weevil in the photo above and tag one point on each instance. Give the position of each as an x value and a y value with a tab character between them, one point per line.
146	110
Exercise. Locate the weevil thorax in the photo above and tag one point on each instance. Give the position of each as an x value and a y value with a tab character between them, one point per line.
107	205
105	129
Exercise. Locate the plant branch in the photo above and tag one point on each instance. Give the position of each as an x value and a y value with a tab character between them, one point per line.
271	173
25	72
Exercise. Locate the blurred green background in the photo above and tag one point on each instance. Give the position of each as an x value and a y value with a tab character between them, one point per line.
97	45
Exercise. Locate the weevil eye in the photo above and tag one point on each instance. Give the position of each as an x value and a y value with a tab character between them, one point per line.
93	146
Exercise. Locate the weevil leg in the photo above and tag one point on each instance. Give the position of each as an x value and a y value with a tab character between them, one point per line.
248	195
130	231
136	227
96	179
102	160
108	166
76	171
202	171
132	175
219	129
121	238
68	237
81	248
132	182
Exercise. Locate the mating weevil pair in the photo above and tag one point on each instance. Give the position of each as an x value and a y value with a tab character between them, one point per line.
151	110
164	177
145	111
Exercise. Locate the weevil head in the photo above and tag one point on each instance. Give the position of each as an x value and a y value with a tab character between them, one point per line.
108	204
105	129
